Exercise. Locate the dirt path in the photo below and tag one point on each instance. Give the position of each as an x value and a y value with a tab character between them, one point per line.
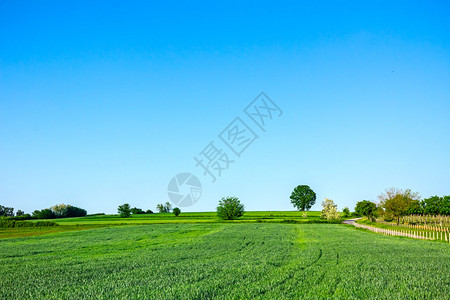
351	221
407	233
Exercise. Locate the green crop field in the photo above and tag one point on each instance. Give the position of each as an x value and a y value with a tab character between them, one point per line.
189	217
223	260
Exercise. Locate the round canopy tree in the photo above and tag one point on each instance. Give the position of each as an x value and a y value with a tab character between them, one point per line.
176	211
366	208
230	208
303	197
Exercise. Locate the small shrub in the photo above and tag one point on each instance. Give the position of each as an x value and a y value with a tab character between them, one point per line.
45	224
176	211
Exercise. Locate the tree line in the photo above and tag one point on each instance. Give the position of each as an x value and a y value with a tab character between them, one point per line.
395	203
56	211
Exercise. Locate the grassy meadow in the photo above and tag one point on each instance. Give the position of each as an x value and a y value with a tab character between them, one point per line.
264	255
222	260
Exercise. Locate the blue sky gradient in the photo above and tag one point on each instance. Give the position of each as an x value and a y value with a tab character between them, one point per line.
102	103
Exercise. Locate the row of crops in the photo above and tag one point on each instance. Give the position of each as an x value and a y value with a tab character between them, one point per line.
427	221
224	261
426	227
415	232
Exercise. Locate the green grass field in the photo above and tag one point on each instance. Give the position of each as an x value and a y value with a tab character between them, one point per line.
197	217
222	260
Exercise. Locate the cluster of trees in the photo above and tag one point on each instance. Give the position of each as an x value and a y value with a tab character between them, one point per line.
393	204
139	211
434	205
56	211
303	198
125	210
6	211
164	208
59	211
396	203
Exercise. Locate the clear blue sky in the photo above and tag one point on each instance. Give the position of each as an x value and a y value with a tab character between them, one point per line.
103	102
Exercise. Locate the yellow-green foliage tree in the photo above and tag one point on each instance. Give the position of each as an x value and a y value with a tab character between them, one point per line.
397	202
329	211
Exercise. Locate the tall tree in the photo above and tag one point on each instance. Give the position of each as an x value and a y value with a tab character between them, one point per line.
164	208
124	210
230	208
366	208
303	197
398	202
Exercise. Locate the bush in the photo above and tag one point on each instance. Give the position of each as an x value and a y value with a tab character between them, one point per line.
176	211
6	223
148	211
346	212
230	208
22	217
44	224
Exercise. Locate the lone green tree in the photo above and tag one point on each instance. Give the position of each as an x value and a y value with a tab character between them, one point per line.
303	198
124	210
346	212
366	208
176	211
230	208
